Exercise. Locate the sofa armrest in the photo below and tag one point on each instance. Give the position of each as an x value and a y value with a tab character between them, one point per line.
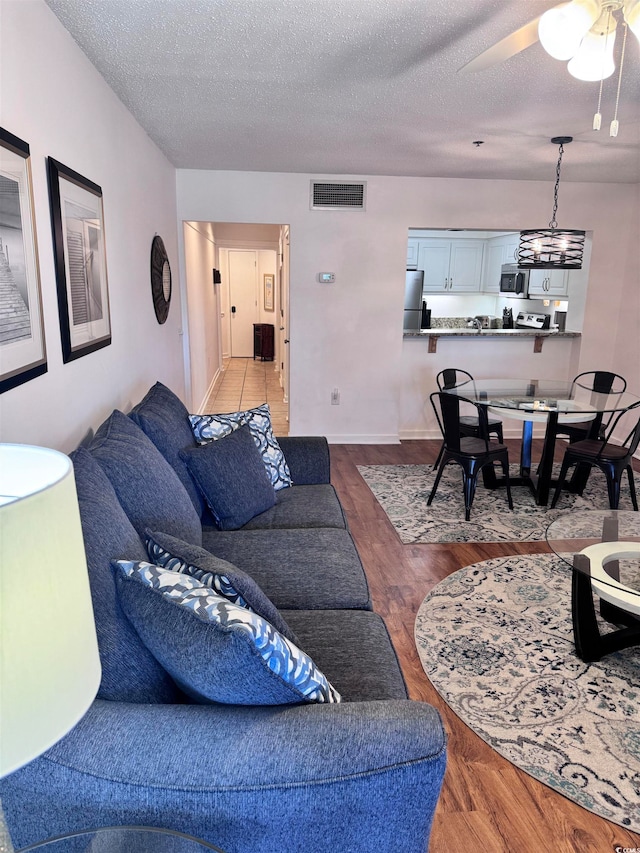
350	777
307	458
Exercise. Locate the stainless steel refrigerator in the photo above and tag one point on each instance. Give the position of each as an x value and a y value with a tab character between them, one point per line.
413	299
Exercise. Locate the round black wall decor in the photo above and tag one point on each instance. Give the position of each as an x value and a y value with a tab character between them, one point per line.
160	279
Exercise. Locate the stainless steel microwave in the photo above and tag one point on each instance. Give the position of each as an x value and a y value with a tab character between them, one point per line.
514	281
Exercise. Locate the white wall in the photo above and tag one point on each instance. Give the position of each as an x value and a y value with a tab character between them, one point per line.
55	100
348	335
203	306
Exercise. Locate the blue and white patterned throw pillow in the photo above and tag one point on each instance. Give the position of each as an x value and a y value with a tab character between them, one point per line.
222	577
208	428
218	582
226	650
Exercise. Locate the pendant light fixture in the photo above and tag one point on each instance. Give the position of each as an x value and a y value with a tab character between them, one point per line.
552	247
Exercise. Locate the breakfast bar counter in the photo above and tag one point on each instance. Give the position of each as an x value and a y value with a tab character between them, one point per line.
539	335
491	333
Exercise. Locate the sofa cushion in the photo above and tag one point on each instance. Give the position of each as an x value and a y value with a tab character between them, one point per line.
353	649
232	478
312	569
302	506
130	673
208	428
163	418
222	577
215	650
148	488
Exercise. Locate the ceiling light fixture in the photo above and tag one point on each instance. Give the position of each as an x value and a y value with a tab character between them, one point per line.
552	247
584	32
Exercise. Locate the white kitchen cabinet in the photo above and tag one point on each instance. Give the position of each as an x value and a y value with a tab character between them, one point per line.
499	251
548	284
451	266
412	253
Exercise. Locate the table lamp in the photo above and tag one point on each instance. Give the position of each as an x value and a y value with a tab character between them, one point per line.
49	664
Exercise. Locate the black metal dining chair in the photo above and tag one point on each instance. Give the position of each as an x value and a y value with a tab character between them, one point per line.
612	459
453	377
598	382
472	453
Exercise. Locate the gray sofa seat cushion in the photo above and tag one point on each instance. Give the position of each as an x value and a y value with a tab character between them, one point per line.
130	673
353	649
147	487
223	577
299	507
312	569
163	418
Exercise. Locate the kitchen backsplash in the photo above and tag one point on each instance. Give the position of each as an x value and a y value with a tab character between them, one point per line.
460	322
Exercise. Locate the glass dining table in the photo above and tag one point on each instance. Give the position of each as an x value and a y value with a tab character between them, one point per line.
546	401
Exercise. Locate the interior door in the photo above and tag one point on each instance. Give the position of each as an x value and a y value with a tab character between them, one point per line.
243	293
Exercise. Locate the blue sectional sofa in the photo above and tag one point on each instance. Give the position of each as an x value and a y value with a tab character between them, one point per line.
359	775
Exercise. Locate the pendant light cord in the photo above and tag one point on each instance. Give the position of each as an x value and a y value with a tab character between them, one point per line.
553	223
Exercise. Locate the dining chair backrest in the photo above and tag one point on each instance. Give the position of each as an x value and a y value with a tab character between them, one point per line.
447	411
452	377
601	381
632	441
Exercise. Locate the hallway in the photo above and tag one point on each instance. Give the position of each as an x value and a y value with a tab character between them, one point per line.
245	384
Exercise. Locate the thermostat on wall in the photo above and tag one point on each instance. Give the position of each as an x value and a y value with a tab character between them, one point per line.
326	277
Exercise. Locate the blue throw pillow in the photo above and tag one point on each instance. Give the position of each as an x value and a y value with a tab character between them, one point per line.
222	577
214	650
208	428
148	488
163	418
231	476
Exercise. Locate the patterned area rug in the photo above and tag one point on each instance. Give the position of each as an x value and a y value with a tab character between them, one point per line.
402	492
495	640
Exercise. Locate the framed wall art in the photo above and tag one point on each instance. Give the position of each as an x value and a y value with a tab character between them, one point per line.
77	222
22	343
269	280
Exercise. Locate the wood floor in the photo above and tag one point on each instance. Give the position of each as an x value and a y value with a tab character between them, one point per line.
487	804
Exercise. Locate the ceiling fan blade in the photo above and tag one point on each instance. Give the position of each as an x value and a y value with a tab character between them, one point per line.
504	49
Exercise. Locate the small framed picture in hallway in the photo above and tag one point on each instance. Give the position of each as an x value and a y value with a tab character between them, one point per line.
269	280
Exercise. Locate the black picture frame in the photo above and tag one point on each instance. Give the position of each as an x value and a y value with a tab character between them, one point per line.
79	250
23	354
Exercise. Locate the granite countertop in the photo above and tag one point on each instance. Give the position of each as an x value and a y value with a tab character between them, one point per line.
490	333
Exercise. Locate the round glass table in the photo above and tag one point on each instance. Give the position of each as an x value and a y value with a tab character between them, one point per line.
603	550
551	402
123	839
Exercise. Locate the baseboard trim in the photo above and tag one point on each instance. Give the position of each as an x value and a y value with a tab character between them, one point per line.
202	406
363	439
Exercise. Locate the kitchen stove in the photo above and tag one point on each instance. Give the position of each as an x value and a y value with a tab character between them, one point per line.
524	320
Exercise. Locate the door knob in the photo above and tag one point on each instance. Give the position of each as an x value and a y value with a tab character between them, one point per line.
286	340
233	309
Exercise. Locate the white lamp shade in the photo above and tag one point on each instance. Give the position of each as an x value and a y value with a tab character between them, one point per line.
49	664
562	28
594	59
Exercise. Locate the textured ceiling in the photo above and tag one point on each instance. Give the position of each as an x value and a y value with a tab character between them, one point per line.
363	87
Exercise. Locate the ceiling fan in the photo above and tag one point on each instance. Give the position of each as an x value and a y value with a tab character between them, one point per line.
582	31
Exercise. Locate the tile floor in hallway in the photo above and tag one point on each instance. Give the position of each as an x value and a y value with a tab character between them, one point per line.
244	384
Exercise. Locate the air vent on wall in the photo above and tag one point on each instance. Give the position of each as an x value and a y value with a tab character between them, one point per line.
337	196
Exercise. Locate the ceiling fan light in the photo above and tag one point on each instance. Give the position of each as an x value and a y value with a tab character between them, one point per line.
632	16
594	59
562	28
